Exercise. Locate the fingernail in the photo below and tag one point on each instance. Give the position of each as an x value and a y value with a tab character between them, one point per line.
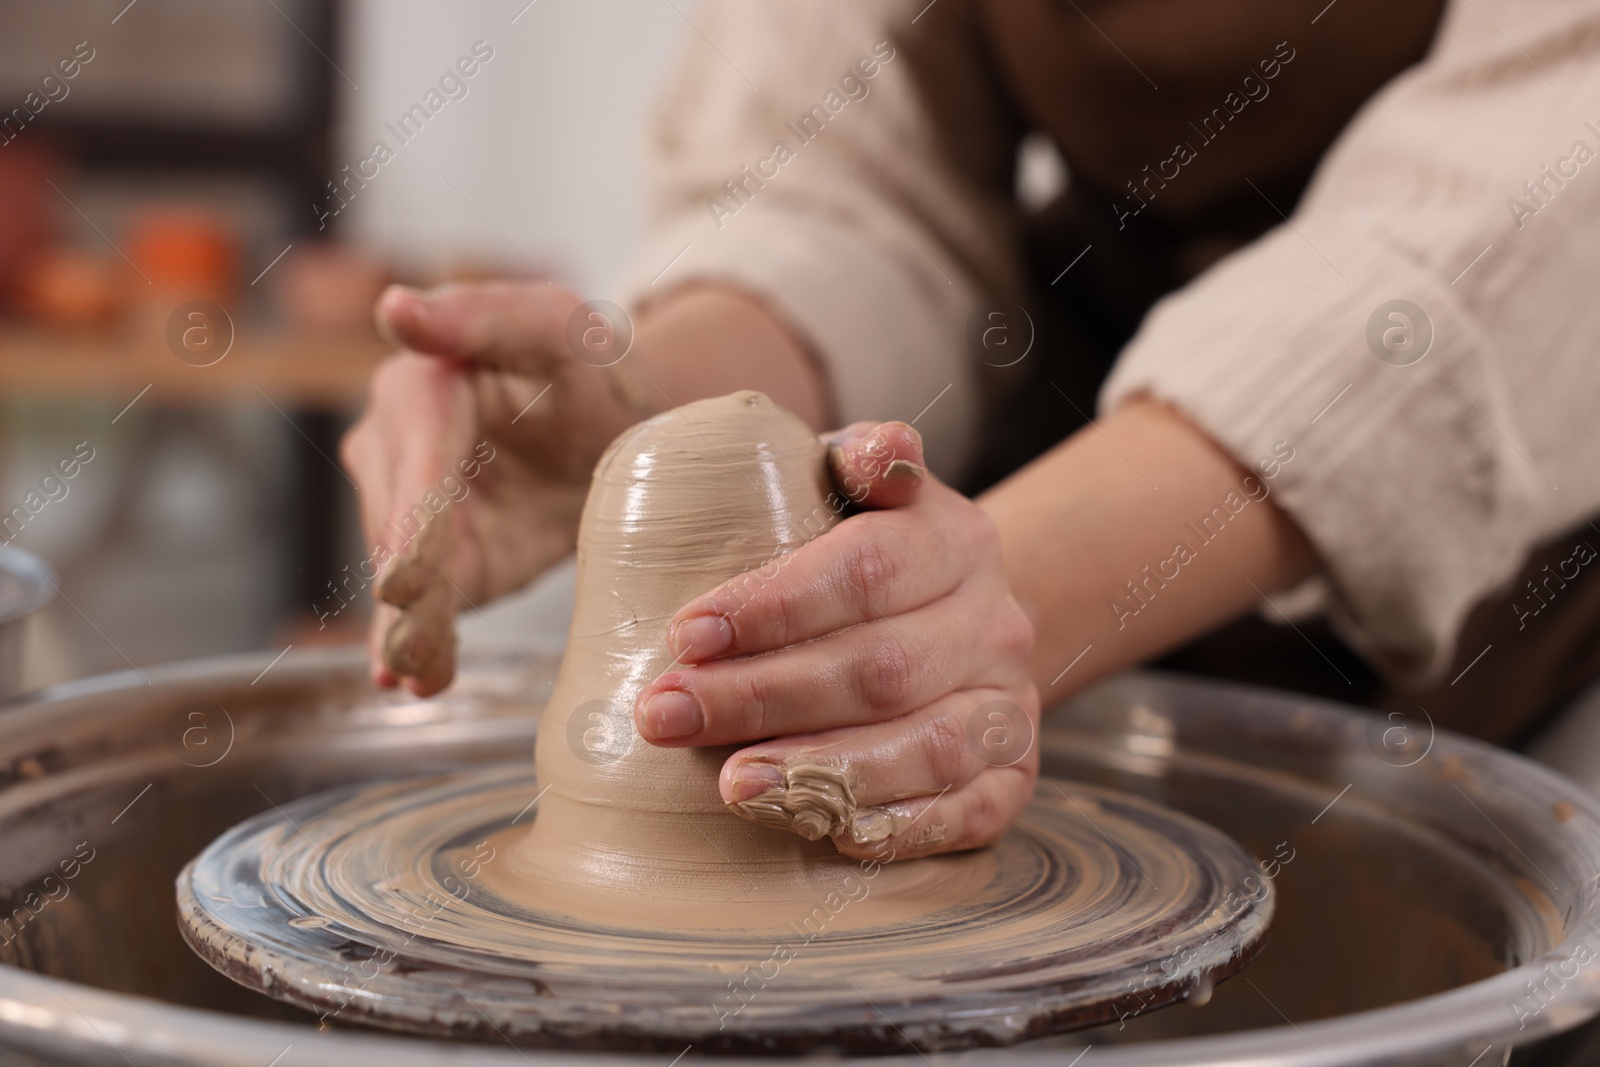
672	714
396	290
393	305
754	778
701	638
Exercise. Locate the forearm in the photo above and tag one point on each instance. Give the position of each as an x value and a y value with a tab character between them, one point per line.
703	341
1117	503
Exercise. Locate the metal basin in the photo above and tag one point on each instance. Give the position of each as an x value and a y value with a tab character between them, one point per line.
1424	881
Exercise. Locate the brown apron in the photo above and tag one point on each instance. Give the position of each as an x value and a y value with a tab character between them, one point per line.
1116	84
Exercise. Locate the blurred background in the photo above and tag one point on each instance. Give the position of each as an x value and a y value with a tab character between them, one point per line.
199	200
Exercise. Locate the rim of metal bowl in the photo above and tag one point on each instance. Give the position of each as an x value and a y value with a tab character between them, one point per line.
36	584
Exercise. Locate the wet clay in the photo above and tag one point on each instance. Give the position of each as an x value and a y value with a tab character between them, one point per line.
814	801
612	898
679	504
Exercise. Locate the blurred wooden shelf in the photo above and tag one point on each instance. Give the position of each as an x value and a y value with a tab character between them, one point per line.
303	370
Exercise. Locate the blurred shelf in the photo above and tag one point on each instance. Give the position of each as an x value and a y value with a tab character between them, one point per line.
302	370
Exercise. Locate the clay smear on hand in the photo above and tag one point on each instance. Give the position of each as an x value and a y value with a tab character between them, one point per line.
814	800
421	642
817	800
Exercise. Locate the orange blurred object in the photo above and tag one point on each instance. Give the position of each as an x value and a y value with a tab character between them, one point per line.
73	289
186	252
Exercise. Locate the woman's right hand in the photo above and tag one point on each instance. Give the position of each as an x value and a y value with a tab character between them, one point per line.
489	420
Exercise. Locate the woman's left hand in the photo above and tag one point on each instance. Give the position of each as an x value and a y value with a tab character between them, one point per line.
889	648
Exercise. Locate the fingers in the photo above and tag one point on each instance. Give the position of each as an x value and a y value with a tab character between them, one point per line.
419	422
887	660
863	674
944	745
877	464
866	568
513	326
383	617
971	816
929	782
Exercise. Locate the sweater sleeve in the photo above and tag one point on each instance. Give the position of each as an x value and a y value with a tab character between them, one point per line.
794	154
1419	332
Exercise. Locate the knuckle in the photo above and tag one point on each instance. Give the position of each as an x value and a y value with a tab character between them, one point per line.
947	751
983	535
778	612
750	714
985	816
1014	632
870	569
392	377
886	678
762	610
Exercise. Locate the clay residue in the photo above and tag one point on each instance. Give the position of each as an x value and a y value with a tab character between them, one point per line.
818	800
869	826
815	801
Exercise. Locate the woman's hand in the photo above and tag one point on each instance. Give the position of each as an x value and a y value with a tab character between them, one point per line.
459	427
459	430
889	649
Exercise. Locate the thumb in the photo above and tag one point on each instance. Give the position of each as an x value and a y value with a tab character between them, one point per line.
877	464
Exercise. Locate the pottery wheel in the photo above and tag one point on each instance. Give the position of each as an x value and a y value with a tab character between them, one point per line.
607	898
384	904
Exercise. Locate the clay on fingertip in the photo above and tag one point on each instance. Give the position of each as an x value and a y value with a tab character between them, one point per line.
871	826
417	566
814	800
880	466
901	468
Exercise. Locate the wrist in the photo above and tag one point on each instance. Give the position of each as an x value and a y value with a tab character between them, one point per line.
1135	535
